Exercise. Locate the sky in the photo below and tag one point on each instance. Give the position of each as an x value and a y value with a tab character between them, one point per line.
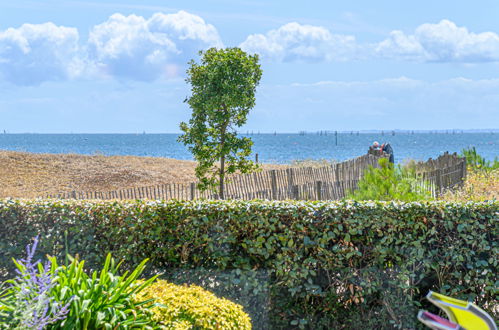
119	66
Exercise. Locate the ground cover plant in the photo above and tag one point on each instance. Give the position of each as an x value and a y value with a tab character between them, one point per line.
290	264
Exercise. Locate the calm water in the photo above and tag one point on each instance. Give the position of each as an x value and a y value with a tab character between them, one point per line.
280	148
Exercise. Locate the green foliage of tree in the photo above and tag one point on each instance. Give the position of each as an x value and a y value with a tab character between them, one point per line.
476	162
389	182
223	87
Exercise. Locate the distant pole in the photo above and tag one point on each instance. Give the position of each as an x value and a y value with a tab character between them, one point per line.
336	137
256	158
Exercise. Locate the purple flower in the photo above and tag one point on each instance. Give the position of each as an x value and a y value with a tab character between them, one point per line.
35	307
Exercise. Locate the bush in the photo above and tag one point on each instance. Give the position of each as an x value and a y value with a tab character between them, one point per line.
476	162
290	264
479	186
389	183
192	307
103	300
65	297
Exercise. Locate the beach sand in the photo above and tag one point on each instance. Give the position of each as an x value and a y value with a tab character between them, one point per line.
30	175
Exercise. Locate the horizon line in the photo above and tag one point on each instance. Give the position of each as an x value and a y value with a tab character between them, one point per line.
301	132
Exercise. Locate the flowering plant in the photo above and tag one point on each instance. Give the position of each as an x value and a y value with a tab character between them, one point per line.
26	301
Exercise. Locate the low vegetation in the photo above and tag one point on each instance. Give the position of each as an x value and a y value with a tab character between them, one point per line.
388	182
53	296
315	163
290	264
186	307
482	182
477	163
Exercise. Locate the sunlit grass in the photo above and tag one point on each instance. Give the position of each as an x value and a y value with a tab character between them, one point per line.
480	185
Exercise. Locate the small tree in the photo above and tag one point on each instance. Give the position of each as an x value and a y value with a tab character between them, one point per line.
389	182
223	89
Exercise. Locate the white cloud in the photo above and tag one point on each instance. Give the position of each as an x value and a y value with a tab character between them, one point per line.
138	48
296	42
441	42
34	53
146	49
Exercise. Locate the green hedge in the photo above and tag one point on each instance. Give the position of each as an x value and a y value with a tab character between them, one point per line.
291	264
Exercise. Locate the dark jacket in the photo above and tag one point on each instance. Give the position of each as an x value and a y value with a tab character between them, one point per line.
387	148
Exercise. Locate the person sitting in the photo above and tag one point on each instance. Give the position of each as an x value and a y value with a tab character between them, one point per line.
375	146
387	148
377	149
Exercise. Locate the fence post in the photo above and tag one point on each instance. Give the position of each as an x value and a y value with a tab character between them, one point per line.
291	176
438	181
193	190
465	170
295	192
273	183
318	187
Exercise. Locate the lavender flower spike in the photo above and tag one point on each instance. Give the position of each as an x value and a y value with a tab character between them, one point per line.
35	308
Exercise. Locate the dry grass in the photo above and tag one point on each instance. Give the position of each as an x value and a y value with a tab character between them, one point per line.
32	175
479	186
315	163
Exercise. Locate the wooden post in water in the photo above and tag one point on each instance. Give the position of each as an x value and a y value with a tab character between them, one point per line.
256	158
335	138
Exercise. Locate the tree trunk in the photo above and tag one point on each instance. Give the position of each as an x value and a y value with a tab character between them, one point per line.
222	156
222	175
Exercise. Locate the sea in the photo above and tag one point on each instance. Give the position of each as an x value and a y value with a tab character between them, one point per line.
276	148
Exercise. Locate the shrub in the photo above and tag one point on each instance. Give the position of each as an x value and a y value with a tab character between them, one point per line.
103	300
479	186
290	264
389	183
65	297
476	162
192	307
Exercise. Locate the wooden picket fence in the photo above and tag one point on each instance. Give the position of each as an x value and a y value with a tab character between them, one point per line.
330	182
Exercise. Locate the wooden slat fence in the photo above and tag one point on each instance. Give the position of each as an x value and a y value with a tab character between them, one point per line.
325	183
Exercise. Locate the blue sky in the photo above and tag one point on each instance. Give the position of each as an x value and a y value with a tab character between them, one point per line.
119	66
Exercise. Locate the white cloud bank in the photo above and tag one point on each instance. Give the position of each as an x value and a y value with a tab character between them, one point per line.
146	49
294	41
441	42
137	48
131	47
37	52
